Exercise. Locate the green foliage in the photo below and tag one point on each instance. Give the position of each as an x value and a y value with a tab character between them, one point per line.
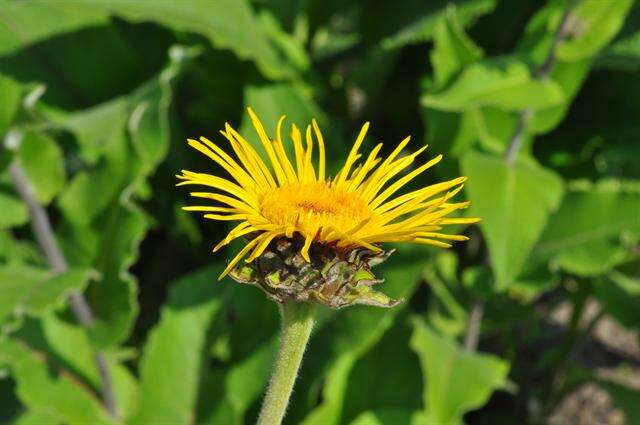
43	163
172	359
507	85
506	195
455	381
34	291
98	96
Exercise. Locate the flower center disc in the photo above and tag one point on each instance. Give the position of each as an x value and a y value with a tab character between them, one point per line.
311	205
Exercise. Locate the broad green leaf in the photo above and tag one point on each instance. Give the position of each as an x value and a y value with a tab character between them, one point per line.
10	100
78	201
123	231
35	291
342	342
507	85
453	49
66	344
106	232
514	202
26	22
619	296
41	390
593	24
170	367
43	163
423	25
13	212
95	127
227	24
585	231
456	380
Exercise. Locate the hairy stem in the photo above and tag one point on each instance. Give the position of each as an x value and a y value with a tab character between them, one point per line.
297	322
43	233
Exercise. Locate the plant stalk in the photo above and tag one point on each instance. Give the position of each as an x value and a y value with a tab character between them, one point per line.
43	233
542	72
297	323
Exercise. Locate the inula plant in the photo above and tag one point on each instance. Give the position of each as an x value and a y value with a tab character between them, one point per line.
498	282
313	238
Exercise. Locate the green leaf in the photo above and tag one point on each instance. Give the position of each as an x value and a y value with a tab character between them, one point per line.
170	367
123	231
342	342
227	24
94	127
43	163
10	100
507	85
42	389
106	231
423	25
36	291
583	234
514	202
593	24
66	345
26	22
78	202
453	49
619	295
13	212
456	380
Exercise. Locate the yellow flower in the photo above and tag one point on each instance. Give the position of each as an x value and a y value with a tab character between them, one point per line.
356	208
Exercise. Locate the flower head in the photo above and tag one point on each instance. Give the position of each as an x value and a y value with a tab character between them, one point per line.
357	209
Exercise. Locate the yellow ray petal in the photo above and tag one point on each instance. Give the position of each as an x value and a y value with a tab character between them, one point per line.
268	147
321	153
259	249
342	175
402	181
310	173
240	255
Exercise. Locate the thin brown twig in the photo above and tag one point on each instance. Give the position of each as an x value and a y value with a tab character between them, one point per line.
41	226
472	337
543	71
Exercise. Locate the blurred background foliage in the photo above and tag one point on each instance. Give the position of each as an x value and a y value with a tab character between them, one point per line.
535	319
